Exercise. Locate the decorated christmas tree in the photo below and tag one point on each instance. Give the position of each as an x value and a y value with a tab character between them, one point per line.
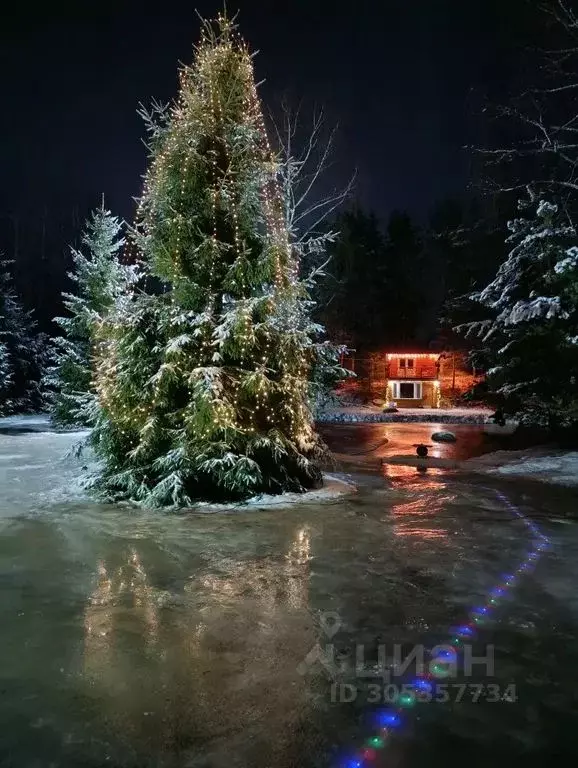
100	278
202	385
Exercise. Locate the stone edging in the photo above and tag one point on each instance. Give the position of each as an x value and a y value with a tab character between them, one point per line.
399	418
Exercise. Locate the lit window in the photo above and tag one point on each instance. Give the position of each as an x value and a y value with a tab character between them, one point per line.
407	390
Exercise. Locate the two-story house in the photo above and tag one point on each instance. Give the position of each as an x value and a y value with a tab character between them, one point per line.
413	379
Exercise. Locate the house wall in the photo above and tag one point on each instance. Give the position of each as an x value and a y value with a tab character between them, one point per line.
424	367
373	372
429	397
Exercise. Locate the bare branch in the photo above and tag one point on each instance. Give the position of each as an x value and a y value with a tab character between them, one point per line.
546	150
338	202
332	202
559	89
301	171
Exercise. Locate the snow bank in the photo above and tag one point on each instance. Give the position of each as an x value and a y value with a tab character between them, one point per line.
545	465
562	470
36	469
26	422
333	488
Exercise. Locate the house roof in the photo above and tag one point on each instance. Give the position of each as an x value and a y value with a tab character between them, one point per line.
431	355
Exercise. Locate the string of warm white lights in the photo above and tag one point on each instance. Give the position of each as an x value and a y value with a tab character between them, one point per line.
388	721
217	128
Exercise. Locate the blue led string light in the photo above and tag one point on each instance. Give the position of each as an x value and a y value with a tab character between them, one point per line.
387	721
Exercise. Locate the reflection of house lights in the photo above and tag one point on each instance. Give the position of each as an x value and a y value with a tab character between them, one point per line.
411	518
387	720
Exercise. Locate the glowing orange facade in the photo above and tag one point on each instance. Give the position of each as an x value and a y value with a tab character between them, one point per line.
413	379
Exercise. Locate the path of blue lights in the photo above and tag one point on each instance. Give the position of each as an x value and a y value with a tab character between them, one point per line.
386	722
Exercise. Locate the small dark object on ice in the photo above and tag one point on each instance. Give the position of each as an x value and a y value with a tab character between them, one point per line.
498	418
444	437
421	451
390	409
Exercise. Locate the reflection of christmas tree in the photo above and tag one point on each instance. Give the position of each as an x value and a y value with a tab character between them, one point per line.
300	552
120	591
271	585
219	656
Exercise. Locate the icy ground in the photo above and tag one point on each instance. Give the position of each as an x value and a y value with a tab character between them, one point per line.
36	462
134	639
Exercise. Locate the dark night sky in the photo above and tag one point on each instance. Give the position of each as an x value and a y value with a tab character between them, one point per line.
396	74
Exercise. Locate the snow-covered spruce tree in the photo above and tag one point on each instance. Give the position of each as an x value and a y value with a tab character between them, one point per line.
533	334
22	353
203	387
99	279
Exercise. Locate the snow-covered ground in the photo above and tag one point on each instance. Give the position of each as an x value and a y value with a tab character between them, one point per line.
38	470
333	488
28	422
371	413
543	464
